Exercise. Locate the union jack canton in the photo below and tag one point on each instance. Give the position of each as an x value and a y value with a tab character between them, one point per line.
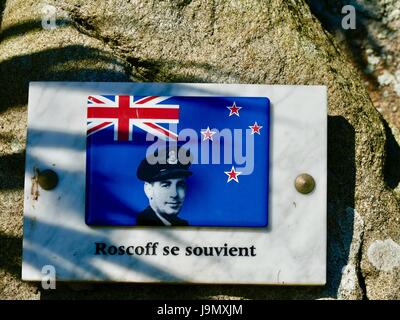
124	112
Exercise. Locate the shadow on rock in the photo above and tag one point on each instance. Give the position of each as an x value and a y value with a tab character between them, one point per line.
12	171
10	254
329	13
2	7
25	27
55	65
392	163
341	193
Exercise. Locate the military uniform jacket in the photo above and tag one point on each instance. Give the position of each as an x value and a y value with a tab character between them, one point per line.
149	218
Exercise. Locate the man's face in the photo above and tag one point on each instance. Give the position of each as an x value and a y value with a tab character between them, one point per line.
167	196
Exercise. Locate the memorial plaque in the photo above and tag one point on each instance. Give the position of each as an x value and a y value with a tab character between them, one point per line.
188	183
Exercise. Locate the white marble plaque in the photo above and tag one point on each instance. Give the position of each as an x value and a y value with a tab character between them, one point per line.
291	250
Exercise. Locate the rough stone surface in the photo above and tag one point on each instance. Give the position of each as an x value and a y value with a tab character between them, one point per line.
349	287
384	255
233	41
374	49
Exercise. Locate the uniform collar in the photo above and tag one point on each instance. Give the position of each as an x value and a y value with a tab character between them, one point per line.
163	220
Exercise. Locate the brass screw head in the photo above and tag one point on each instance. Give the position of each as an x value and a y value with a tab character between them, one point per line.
304	183
47	179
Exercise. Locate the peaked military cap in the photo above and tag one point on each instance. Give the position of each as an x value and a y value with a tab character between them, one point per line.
168	163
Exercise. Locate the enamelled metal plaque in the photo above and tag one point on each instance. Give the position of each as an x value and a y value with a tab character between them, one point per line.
181	183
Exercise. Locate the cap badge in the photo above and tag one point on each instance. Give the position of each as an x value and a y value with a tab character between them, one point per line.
172	159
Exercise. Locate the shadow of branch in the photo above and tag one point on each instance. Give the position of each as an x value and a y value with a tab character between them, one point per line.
2	7
52	65
25	27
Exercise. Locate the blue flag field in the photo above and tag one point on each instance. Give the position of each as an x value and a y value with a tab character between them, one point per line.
228	142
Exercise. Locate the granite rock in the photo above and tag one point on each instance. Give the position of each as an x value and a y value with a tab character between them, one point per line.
234	41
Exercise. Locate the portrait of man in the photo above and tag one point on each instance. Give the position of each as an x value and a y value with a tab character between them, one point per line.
165	188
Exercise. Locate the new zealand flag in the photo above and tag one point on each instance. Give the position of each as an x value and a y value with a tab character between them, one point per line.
224	184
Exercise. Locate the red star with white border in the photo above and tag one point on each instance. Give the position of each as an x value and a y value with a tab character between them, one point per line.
234	110
255	128
233	174
208	134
